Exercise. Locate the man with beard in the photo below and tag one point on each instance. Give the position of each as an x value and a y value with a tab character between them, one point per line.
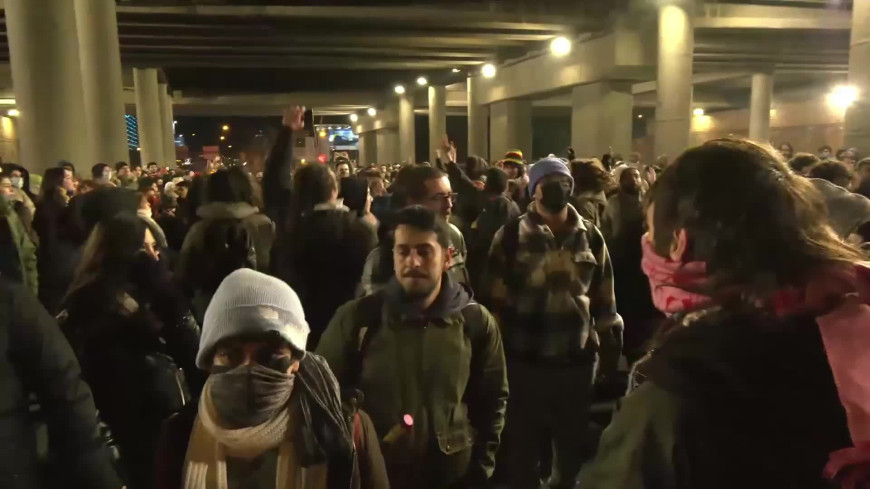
429	362
550	282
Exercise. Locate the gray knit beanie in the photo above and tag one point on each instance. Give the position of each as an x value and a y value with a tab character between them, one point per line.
249	302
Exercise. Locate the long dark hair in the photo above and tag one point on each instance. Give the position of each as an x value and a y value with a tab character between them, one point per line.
229	186
52	182
758	226
109	253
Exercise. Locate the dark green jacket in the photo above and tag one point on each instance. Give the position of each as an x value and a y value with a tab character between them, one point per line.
25	265
733	400
425	368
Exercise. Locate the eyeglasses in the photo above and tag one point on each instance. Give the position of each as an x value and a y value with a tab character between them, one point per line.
444	197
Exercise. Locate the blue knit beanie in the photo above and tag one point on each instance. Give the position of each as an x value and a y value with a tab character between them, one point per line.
544	167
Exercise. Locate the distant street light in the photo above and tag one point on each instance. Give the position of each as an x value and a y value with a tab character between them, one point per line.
226	128
222	138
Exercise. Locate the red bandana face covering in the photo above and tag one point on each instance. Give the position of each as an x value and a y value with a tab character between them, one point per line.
668	280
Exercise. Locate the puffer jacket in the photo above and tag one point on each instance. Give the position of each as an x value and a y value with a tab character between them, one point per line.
19	251
36	359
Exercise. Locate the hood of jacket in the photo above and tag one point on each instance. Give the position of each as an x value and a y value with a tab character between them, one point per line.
226	210
452	298
846	211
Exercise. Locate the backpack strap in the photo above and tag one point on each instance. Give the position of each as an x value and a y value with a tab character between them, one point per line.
369	311
510	244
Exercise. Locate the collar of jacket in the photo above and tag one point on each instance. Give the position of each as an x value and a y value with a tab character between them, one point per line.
446	309
226	210
338	205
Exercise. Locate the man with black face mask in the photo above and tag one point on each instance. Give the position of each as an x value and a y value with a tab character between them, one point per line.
550	282
270	414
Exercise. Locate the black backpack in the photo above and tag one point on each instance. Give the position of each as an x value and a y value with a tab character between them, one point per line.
226	247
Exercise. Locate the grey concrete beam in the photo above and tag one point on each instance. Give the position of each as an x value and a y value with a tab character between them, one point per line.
462	17
739	16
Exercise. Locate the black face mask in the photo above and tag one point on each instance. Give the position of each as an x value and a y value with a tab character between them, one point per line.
554	196
249	395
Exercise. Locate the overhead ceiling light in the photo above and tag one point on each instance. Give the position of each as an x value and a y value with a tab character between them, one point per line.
372	112
843	96
560	46
13	113
488	70
230	146
698	112
354	117
400	89
455	70
138	149
422	81
640	116
226	127
194	134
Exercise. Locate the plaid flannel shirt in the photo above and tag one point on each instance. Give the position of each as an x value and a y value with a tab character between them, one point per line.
555	300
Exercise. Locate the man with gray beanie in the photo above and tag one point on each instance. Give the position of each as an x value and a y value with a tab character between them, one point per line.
550	281
270	414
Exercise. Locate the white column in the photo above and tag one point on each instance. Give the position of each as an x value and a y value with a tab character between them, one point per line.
368	148
437	118
148	115
510	128
601	119
387	146
102	85
168	129
478	114
407	133
857	133
47	81
759	107
674	94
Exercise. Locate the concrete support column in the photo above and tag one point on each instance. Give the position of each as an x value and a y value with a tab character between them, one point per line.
368	149
857	131
437	118
478	115
601	119
167	117
674	94
387	141
407	133
510	127
47	81
102	85
148	115
759	107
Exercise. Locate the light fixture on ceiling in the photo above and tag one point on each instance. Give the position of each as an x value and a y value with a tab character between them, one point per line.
422	81
400	89
13	112
640	116
372	111
843	96
488	70
560	46
698	112
455	70
354	117
225	128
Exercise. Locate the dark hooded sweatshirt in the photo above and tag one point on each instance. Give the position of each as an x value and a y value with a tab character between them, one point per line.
433	366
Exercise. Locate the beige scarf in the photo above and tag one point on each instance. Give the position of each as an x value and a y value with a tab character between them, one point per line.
205	465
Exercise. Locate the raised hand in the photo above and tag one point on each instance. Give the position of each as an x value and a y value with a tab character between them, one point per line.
293	118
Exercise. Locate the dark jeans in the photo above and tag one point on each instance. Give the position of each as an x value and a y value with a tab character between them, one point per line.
548	406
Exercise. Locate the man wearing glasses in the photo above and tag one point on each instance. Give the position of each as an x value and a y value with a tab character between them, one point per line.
428	187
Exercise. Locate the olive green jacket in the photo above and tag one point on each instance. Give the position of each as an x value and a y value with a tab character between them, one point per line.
24	245
426	368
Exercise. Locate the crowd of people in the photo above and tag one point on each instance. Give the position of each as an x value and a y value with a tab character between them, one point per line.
575	322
